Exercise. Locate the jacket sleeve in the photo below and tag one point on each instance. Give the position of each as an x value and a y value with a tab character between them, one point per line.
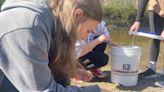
24	60
141	9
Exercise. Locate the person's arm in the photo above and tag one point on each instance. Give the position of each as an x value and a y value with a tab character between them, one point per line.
104	30
25	63
142	6
90	46
141	9
162	35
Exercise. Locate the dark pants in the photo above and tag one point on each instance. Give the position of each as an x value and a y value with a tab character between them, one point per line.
157	26
97	57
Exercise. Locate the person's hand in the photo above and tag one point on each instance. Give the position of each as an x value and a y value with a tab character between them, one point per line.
102	38
111	44
84	75
162	35
135	27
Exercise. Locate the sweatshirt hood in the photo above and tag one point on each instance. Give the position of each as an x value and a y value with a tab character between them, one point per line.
35	5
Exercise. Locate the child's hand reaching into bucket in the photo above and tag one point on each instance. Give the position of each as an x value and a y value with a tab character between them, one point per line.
102	38
111	44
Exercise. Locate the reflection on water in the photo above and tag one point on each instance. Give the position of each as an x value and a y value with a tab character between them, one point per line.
123	38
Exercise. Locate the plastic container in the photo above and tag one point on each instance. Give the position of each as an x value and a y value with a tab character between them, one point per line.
147	34
125	65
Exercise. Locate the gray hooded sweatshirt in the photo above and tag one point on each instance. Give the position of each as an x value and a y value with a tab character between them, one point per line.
26	28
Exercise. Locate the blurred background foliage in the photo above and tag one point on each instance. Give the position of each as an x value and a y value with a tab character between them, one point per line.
122	13
119	13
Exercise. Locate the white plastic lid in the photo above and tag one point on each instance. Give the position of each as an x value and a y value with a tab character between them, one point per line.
146	34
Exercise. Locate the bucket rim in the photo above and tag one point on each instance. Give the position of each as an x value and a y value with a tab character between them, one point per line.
126	47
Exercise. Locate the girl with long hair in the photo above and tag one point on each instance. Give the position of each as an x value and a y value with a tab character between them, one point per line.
37	47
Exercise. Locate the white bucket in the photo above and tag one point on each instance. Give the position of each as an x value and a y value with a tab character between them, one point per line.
125	65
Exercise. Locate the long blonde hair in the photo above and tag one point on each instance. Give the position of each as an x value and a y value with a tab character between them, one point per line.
63	55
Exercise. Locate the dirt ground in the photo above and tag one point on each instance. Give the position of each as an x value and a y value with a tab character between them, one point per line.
143	85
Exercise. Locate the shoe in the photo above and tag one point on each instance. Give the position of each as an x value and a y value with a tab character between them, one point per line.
98	73
149	73
159	84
